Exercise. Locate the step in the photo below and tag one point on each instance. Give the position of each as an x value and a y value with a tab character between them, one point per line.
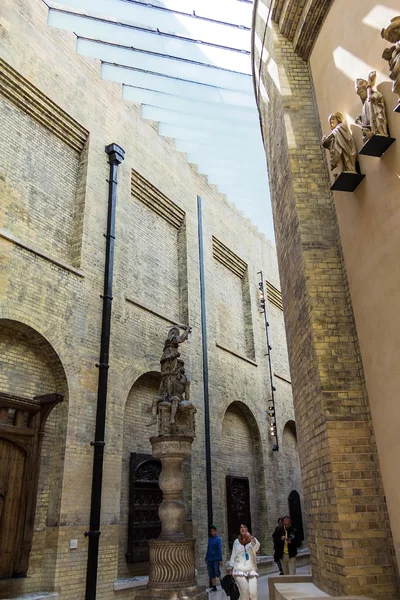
36	596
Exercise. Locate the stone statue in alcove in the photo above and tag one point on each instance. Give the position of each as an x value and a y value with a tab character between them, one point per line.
341	146
392	54
373	120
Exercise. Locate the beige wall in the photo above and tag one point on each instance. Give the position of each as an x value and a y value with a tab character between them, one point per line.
369	219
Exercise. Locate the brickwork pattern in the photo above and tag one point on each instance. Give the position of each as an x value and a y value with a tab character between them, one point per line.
349	533
152	258
40	171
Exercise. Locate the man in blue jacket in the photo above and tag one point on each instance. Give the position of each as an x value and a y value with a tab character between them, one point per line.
214	557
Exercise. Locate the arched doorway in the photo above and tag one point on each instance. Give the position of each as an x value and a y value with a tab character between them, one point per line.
32	441
241	473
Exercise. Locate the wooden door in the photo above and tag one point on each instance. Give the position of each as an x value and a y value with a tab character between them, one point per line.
145	496
12	467
238	505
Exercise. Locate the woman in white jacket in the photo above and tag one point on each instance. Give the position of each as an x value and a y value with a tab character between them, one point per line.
243	564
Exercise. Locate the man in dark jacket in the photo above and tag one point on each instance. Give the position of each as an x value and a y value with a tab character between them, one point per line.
276	538
286	548
214	557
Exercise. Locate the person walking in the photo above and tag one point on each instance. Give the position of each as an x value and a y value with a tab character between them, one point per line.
243	564
214	557
287	544
276	539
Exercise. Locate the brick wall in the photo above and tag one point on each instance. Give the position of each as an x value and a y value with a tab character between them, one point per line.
38	171
156	280
350	553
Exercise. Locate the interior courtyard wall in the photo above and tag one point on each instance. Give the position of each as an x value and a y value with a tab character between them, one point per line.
331	405
58	294
346	49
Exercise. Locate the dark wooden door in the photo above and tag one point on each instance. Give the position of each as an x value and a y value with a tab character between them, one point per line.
145	496
238	505
12	465
295	513
22	423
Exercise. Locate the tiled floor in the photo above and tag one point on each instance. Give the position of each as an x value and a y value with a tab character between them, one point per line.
262	587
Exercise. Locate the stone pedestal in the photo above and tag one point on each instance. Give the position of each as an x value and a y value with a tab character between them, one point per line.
172	556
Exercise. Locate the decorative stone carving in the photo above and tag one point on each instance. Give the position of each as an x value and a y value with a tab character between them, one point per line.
171	450
174	392
342	149
342	154
392	54
172	573
172	564
372	120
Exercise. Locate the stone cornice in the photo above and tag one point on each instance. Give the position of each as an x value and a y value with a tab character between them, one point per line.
36	104
145	192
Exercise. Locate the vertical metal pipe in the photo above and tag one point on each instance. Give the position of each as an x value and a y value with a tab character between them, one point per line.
205	366
269	348
116	156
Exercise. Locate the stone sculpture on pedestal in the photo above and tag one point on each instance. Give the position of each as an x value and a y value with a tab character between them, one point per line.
342	154
172	556
392	34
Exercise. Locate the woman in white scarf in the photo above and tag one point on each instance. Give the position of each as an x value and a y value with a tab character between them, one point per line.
243	564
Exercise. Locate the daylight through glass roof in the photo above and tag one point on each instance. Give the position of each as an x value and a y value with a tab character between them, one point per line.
188	64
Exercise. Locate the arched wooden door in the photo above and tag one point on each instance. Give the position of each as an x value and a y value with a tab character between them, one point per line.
295	513
22	422
12	467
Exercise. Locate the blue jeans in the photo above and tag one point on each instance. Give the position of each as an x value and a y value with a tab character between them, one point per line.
213	569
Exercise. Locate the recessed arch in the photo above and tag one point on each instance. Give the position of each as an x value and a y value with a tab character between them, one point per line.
31	376
136	440
240	471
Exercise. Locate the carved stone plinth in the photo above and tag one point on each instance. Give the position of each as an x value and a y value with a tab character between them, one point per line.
171	450
172	564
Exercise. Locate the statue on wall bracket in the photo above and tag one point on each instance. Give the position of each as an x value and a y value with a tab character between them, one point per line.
392	54
373	120
342	155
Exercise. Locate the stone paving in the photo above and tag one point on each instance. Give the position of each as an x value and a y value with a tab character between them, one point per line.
262	586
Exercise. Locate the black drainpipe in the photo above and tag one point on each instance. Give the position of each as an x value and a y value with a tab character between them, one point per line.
116	156
205	367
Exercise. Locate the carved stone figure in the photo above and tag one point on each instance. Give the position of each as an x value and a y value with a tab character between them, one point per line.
392	54
175	386
373	119
342	149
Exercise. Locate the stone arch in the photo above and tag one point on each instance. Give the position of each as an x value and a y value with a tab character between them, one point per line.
30	367
136	436
240	456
